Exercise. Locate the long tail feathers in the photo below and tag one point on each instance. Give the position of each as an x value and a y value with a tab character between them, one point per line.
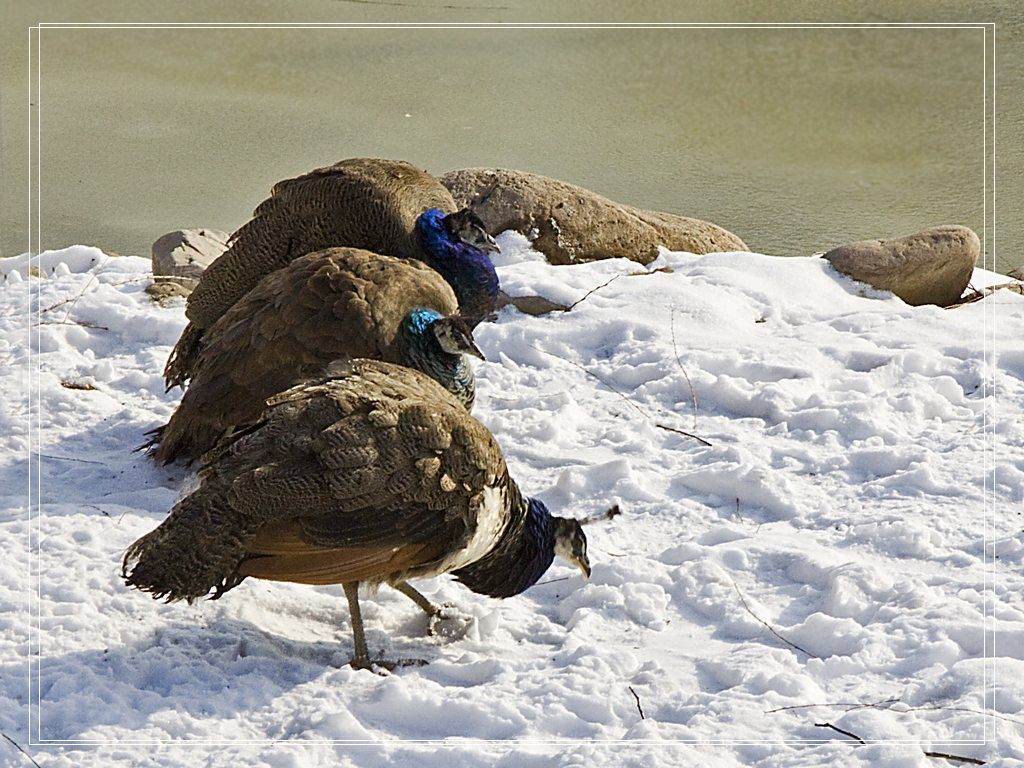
183	357
195	550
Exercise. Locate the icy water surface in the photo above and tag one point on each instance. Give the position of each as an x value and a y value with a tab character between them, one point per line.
795	139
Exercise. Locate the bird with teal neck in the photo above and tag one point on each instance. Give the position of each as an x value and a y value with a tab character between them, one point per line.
456	246
364	202
327	305
438	345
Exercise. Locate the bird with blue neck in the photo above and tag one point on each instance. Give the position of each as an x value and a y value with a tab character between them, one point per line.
456	245
388	207
371	473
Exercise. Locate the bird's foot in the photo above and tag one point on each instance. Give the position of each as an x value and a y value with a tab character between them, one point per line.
448	622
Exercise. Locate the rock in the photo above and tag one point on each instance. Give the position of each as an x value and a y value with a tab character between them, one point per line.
570	224
932	266
167	288
181	256
530	305
1017	273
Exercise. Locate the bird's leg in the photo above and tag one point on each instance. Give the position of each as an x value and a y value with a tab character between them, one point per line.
435	613
418	597
361	660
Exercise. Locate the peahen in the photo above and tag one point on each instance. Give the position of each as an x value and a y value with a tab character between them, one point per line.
385	206
372	473
335	303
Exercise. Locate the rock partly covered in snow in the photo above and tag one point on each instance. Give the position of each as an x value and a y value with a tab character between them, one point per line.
181	256
570	224
932	266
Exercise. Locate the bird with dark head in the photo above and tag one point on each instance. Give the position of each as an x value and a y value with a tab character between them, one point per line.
438	346
372	474
456	245
331	304
367	203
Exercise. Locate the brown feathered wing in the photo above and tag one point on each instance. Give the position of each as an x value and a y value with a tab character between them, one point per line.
371	477
340	302
361	202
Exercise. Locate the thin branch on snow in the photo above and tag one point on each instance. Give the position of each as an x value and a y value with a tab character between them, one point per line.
955	758
667	428
768	626
852	705
68	458
594	290
840	730
675	349
552	581
74	301
638	707
940	755
621	394
978	295
65	321
18	747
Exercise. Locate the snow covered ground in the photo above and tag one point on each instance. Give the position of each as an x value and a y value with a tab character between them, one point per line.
825	560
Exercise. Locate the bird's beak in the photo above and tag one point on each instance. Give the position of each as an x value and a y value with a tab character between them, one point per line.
583	563
474	350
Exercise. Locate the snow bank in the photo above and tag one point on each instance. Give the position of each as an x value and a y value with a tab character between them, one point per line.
840	499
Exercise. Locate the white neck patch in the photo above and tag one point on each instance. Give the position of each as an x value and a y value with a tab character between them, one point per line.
491	520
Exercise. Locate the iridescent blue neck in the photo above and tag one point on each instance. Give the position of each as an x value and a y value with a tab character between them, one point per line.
521	556
467	269
420	349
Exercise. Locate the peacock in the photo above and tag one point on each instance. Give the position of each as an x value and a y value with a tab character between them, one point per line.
369	473
386	206
339	302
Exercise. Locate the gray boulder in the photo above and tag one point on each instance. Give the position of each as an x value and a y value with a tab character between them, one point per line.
932	266
181	256
570	224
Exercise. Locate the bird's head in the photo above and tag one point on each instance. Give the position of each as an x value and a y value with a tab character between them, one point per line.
455	336
456	245
466	226
571	543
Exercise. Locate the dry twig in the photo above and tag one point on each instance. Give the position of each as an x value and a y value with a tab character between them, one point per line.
675	349
621	394
638	707
768	626
65	321
978	295
840	730
955	758
852	705
667	428
594	290
67	458
17	746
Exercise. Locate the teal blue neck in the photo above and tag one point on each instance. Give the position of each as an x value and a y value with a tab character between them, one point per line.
421	350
